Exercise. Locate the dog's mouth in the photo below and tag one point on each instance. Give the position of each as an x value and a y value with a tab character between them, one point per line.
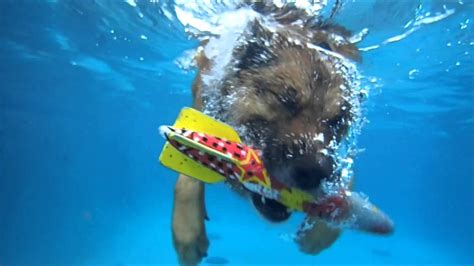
305	172
303	166
272	210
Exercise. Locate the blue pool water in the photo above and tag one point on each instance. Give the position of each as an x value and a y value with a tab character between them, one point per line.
84	85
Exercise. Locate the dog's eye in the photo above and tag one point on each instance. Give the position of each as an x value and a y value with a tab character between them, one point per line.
257	128
325	45
338	124
260	90
288	99
257	123
334	122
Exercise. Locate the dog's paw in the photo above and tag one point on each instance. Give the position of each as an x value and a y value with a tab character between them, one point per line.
189	213
191	246
315	236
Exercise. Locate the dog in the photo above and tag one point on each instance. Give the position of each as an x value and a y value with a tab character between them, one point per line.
284	92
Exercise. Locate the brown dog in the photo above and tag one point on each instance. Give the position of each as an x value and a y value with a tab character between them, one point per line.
283	90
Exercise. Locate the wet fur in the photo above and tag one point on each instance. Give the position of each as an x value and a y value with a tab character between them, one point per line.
284	95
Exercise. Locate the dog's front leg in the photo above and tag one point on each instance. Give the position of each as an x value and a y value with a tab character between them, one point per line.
189	232
315	235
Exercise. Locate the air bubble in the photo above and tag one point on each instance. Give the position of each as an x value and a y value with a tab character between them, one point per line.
413	73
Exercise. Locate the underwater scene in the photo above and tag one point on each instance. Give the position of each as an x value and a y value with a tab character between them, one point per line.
328	132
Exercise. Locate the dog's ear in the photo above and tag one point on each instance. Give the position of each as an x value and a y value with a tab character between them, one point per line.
335	38
255	49
287	14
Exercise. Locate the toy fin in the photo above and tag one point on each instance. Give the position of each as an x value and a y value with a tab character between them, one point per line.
192	119
367	217
170	157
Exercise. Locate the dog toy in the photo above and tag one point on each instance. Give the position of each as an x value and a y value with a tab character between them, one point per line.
206	149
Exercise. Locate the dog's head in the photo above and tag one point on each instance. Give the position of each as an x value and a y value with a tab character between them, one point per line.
287	92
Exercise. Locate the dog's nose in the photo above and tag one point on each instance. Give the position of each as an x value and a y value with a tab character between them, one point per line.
308	174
